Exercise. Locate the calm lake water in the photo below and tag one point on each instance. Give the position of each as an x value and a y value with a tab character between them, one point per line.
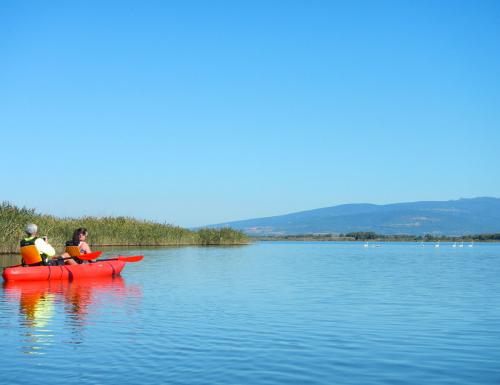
268	313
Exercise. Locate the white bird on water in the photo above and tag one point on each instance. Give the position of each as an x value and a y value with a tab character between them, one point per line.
436	245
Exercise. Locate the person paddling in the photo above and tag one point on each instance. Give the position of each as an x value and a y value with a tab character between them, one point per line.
36	251
78	244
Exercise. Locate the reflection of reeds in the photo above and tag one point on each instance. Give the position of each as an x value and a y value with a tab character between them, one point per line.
122	231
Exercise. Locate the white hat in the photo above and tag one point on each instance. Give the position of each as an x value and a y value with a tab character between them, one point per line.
31	229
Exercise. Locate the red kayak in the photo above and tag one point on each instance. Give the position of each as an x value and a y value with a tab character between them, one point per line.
105	268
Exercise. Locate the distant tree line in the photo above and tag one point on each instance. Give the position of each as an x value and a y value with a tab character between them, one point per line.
372	236
366	236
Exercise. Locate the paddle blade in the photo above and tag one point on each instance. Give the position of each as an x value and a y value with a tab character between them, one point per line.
90	256
134	258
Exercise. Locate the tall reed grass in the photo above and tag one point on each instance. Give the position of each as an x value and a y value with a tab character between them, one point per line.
106	231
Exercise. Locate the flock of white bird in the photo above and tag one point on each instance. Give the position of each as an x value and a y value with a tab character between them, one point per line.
437	245
455	244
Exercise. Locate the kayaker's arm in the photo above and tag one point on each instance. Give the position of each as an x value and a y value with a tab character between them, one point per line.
44	248
85	248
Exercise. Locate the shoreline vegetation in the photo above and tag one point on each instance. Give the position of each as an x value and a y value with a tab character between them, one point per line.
107	231
371	236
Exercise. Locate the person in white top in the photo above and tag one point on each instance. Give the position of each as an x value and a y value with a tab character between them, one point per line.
41	243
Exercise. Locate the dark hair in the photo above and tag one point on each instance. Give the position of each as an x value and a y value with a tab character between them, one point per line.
79	231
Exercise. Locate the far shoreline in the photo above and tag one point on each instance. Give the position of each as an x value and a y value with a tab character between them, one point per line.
370	236
360	241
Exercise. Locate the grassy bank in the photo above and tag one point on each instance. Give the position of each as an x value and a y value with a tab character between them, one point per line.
110	231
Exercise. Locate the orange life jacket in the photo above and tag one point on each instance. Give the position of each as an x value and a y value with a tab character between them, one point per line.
30	253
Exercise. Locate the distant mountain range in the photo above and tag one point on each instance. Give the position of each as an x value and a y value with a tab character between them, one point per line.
454	217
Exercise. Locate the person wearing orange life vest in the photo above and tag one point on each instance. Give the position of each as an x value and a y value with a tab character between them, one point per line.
78	244
36	250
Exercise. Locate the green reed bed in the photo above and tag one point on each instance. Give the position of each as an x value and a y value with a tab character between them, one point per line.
106	231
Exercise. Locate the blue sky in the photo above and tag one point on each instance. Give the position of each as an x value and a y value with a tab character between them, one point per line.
204	112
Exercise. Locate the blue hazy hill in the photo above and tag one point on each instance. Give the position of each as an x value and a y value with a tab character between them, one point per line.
454	217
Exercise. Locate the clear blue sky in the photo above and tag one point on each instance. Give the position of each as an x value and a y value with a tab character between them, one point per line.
204	112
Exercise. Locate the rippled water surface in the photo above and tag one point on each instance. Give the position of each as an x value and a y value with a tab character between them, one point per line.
268	313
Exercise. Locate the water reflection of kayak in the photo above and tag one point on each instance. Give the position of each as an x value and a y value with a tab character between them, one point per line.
109	268
16	288
40	301
33	295
36	305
